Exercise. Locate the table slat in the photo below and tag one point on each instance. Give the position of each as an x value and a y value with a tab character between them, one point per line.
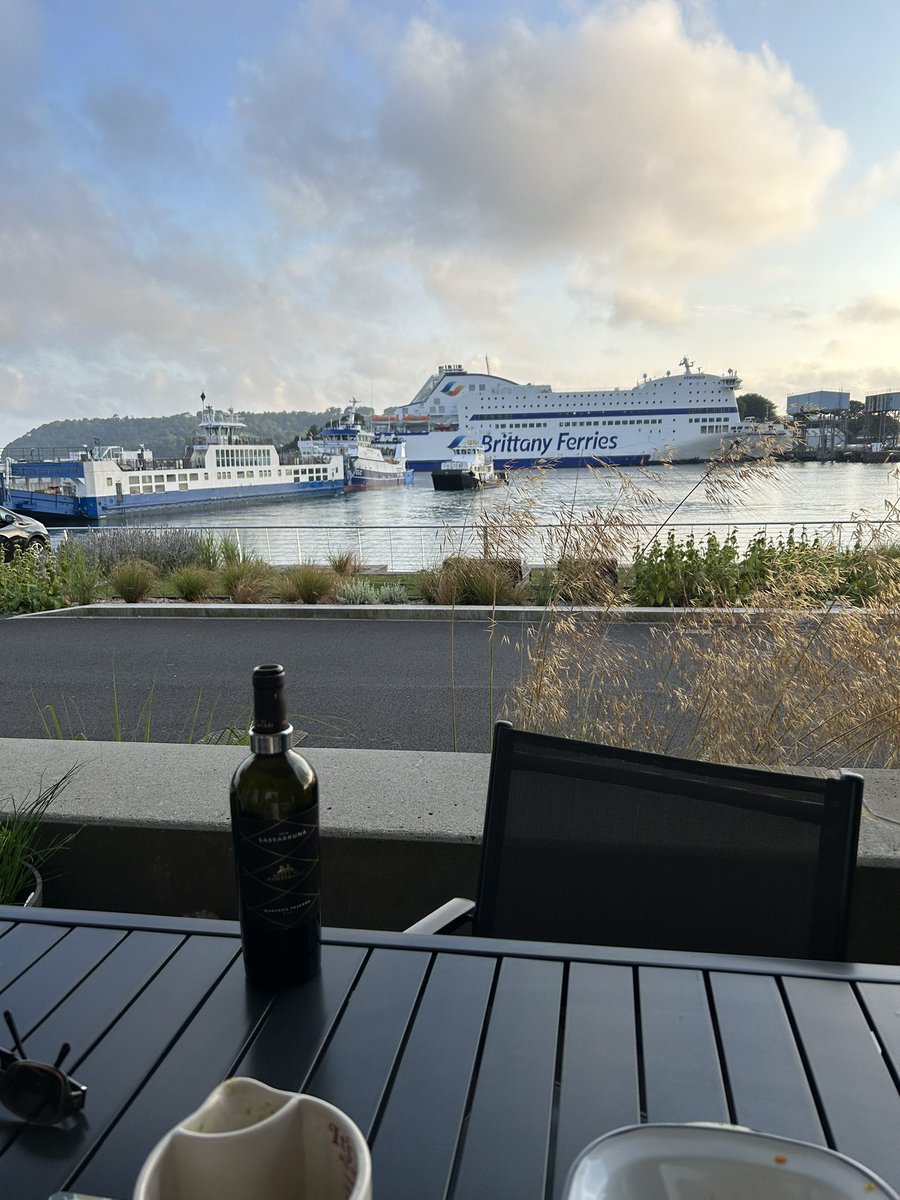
416	1141
682	1073
35	1163
197	1062
357	1063
299	1022
882	1000
769	1088
599	1083
855	1087
61	969
24	945
505	1147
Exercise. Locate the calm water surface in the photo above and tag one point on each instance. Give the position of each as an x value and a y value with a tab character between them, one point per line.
410	524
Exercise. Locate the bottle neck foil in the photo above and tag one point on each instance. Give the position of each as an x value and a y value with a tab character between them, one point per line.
272	743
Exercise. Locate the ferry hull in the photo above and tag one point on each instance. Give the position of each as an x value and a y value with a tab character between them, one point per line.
94	508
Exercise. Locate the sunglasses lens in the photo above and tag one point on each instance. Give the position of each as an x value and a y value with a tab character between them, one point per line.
34	1092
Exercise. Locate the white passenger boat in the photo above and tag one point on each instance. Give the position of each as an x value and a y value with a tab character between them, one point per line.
687	417
468	470
222	465
368	461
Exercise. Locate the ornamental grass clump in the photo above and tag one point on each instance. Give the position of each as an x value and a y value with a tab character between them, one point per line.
765	672
250	581
132	580
346	563
24	844
192	583
305	584
465	581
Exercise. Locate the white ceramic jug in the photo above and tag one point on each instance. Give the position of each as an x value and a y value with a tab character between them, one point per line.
249	1141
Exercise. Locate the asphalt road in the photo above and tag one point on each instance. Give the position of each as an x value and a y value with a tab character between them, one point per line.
352	683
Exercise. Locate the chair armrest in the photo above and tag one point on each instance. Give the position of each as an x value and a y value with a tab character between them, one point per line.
446	918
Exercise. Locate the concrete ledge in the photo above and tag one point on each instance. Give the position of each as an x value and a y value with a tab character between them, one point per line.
401	832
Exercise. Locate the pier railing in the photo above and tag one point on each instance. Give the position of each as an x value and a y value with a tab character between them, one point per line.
414	547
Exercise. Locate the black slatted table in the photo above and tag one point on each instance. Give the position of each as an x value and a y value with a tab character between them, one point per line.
475	1068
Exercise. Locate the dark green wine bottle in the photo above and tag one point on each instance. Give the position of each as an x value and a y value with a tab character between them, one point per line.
275	826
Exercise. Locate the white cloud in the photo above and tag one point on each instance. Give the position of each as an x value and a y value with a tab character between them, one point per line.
873	310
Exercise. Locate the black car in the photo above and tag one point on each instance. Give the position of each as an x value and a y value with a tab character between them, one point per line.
16	530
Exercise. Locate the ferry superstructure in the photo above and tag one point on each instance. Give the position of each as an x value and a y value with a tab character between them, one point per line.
368	461
686	417
222	465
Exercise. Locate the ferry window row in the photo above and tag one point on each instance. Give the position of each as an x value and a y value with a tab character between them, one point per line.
249	456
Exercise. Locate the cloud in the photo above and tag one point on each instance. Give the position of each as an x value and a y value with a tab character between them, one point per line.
873	310
618	133
639	306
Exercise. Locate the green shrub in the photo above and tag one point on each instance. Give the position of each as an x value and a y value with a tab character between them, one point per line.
306	584
80	575
393	593
358	591
29	583
250	581
192	583
132	580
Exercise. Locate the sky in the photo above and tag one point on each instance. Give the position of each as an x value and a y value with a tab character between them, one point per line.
288	204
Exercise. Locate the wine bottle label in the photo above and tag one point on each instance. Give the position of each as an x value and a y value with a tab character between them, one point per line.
278	867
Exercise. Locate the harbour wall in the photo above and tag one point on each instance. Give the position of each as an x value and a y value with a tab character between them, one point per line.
401	832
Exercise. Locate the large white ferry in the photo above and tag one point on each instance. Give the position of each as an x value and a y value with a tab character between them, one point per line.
221	465
687	417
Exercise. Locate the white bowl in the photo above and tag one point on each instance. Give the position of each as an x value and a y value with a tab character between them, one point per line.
716	1162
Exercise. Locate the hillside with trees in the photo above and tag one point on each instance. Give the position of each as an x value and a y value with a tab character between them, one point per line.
165	436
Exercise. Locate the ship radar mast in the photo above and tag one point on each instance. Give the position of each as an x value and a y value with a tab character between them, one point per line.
687	364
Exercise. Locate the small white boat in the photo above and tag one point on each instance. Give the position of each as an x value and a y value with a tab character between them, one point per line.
469	469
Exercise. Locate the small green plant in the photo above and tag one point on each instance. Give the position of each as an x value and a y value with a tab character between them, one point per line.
393	593
306	584
132	580
358	591
80	575
345	563
209	550
30	583
230	551
250	581
23	846
192	583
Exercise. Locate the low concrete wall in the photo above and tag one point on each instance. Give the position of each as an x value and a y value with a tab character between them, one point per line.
401	832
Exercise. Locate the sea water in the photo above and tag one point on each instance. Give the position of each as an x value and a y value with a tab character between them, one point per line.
408	527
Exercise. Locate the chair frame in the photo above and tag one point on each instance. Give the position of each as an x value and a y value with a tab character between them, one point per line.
838	816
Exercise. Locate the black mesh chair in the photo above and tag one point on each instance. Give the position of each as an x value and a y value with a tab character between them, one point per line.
587	843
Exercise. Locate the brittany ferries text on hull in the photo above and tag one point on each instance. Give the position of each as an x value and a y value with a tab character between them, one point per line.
688	417
221	465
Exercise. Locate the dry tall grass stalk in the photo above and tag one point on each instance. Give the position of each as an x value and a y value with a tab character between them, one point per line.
783	681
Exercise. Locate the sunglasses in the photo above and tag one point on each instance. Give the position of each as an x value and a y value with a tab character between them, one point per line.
37	1092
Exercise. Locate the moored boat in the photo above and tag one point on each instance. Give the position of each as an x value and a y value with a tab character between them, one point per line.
222	465
468	470
368	461
686	417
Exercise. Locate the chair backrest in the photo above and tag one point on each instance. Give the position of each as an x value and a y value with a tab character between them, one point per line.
588	843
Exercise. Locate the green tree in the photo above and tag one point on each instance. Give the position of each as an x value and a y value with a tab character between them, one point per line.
751	404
